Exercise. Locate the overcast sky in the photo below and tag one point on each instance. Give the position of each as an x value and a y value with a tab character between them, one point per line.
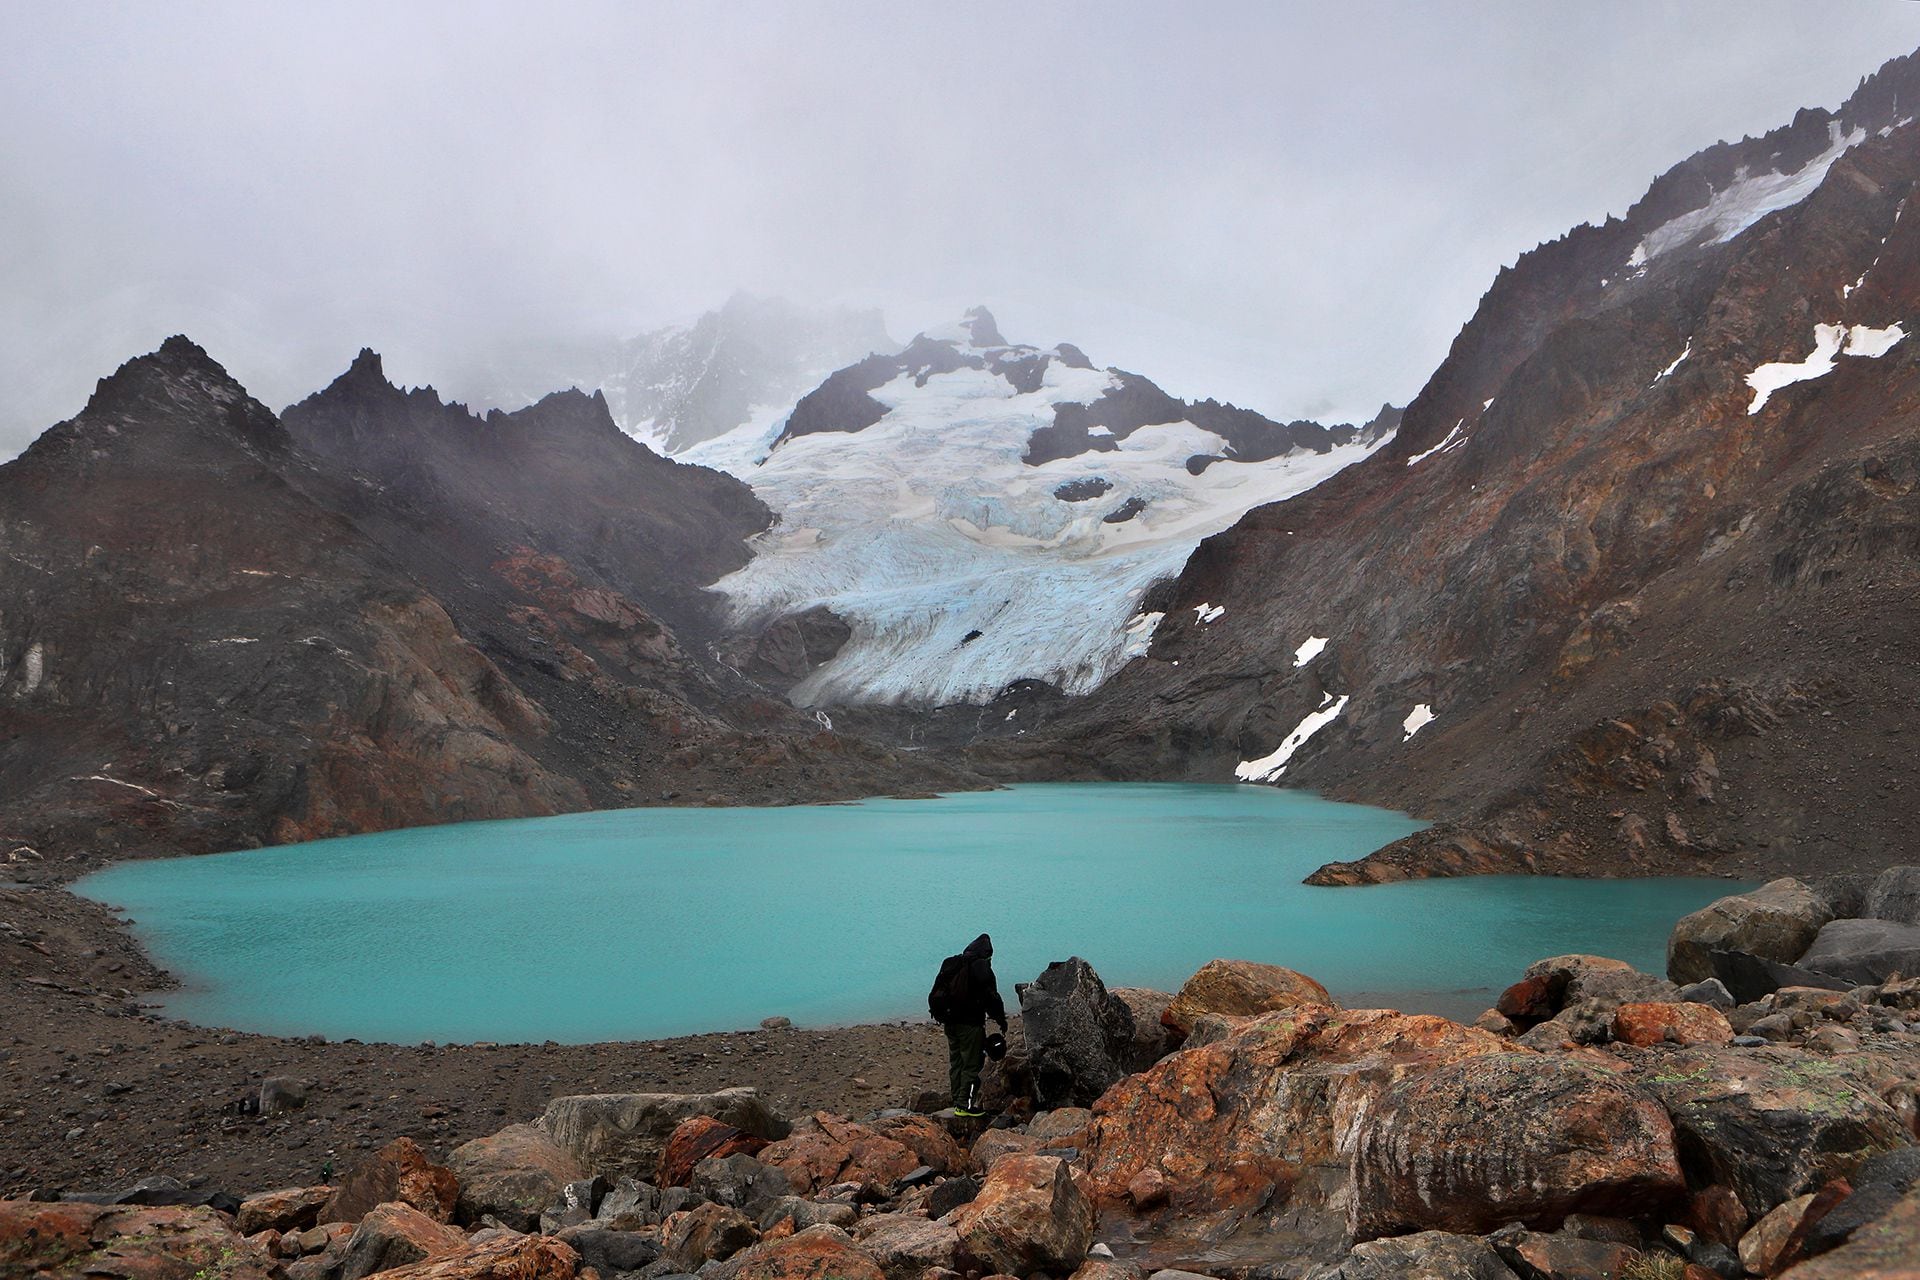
1293	206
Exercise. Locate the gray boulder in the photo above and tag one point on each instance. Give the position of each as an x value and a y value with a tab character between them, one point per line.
1894	895
1079	1035
1864	951
611	1252
630	1206
1711	991
1425	1255
739	1182
1777	921
1152	1040
512	1175
1750	978
625	1133
574	1204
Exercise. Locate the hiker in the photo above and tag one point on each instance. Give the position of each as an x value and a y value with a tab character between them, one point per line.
964	996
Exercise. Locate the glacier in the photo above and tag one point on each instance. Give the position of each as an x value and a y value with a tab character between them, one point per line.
954	563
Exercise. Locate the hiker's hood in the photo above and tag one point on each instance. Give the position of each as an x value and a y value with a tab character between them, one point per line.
980	948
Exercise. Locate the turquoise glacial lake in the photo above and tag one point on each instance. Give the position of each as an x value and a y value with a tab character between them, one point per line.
640	923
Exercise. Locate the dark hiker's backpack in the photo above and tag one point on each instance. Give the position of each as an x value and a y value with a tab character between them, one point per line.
949	987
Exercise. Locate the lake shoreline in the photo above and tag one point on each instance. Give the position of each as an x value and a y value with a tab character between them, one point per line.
82	1050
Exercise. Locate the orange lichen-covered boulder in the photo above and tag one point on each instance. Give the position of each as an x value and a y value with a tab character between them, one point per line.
1670	1023
700	1138
510	1258
1515	1137
1030	1216
512	1174
1224	1124
124	1242
929	1140
825	1149
398	1171
1240	987
817	1253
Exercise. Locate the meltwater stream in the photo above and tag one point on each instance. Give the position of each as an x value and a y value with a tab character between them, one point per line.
641	923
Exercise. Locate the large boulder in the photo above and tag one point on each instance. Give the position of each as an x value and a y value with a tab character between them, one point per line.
399	1171
1079	1035
1425	1255
1750	978
707	1233
611	1252
700	1138
740	1182
291	1209
1894	895
1642	1025
626	1133
1864	951
1775	922
512	1257
1152	1040
1270	1107
928	1139
1772	1123
817	1253
1888	1249
512	1174
826	1149
394	1235
1602	981
1030	1216
906	1245
630	1206
126	1243
1491	1139
1241	987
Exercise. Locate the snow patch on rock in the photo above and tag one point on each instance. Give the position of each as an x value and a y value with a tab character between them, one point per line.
1269	767
1747	199
1204	613
1417	719
1309	650
1830	341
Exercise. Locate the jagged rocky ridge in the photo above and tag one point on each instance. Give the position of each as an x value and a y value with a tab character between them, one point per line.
223	629
1599	1122
971	514
1635	586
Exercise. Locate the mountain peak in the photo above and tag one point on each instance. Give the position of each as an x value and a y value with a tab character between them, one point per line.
978	322
368	365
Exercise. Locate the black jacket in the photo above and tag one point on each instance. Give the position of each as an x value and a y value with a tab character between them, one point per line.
974	993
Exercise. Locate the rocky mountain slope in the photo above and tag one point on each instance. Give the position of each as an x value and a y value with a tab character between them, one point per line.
222	629
1636	585
971	513
675	386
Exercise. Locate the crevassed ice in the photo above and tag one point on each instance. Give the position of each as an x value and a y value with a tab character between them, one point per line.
1747	199
927	525
1309	650
1417	719
1830	341
1269	767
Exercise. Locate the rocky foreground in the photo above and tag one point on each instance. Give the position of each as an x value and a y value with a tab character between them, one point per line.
1760	1119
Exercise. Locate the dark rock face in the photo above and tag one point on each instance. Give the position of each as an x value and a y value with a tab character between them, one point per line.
1080	1036
1082	490
1623	595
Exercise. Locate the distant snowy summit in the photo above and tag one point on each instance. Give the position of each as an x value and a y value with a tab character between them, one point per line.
676	386
979	512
